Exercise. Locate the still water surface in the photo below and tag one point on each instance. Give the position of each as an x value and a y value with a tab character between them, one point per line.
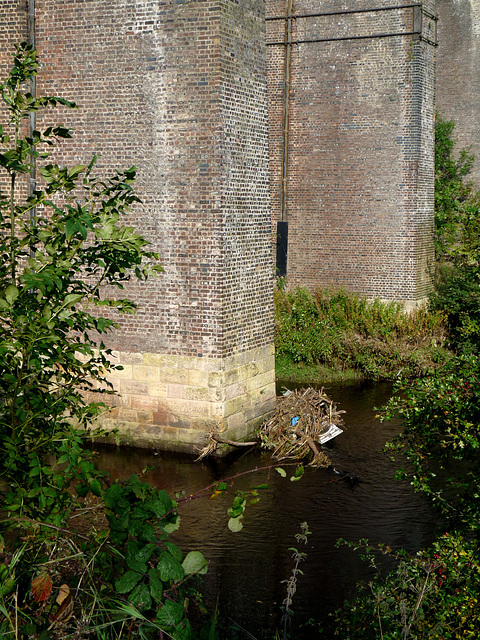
246	569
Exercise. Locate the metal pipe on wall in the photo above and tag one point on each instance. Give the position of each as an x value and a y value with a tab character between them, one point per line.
33	90
286	101
282	224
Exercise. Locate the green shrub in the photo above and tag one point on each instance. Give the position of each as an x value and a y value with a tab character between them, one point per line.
55	581
457	218
456	202
430	596
433	594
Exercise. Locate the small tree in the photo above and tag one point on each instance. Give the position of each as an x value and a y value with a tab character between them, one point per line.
456	201
457	218
54	266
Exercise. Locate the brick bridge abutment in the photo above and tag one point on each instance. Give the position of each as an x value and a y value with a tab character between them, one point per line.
243	118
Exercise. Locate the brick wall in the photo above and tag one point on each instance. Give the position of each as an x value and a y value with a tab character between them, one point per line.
359	199
458	72
14	29
179	90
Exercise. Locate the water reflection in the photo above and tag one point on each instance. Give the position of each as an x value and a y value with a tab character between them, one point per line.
247	568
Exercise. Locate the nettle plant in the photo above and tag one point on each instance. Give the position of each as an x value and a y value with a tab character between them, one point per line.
59	247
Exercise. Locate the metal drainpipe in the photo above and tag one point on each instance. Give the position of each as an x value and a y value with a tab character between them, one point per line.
282	224
286	101
33	89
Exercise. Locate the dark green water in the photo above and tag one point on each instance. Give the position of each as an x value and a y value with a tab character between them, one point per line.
247	568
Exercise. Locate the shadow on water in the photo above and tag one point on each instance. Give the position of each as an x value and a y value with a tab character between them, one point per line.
247	568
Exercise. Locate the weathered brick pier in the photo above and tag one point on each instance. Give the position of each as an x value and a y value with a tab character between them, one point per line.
249	122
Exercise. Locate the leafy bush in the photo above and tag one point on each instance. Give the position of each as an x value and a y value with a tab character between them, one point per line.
433	595
457	218
456	202
54	266
441	437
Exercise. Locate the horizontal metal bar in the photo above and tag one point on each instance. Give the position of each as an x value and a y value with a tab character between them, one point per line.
348	11
375	35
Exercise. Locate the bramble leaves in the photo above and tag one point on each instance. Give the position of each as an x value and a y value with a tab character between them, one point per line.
41	588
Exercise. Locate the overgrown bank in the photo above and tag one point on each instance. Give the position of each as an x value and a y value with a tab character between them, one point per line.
325	336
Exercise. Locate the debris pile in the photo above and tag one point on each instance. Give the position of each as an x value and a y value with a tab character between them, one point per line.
304	419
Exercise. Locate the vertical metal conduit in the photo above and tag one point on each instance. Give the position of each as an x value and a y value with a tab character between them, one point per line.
33	90
286	100
282	224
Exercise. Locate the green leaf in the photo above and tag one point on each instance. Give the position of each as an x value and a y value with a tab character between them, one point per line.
172	526
75	171
281	471
11	294
95	487
140	597
82	489
170	615
195	562
71	299
174	550
126	582
137	555
235	525
169	568
155	585
298	473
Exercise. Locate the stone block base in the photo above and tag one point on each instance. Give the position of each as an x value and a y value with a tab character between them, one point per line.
171	402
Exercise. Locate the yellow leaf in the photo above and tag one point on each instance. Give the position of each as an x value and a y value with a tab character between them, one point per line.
63	592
